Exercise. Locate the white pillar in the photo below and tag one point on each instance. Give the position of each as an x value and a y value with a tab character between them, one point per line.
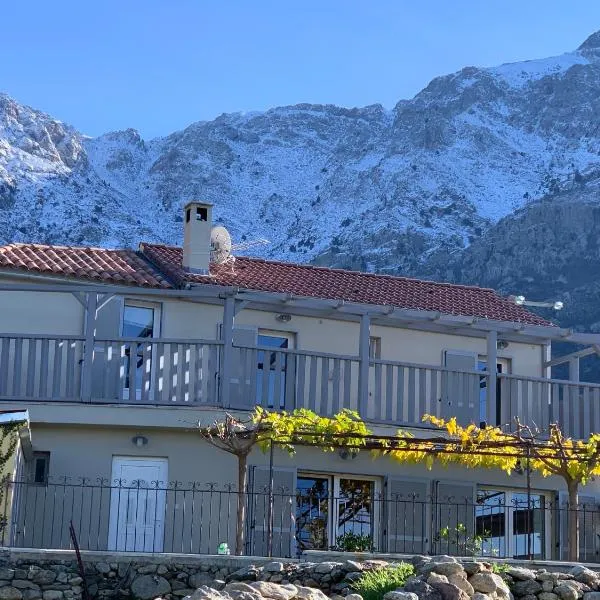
363	374
492	378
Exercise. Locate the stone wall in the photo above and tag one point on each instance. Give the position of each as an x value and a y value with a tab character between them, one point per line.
54	575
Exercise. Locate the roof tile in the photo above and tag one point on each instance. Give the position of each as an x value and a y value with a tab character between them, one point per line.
94	264
352	286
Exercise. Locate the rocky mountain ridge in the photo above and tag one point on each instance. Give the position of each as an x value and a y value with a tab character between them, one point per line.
487	176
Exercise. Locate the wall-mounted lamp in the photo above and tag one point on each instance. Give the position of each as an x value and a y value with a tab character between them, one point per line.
140	440
522	301
284	318
501	344
347	453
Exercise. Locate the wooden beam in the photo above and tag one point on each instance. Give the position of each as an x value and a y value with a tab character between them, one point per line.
559	360
492	377
363	374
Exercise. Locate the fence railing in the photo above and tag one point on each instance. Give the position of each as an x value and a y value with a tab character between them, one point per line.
184	372
539	402
195	518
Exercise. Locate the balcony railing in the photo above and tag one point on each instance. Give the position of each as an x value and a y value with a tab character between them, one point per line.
193	372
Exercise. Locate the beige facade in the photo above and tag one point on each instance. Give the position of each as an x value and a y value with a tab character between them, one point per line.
90	425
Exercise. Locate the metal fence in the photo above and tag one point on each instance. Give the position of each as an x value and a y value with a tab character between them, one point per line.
196	518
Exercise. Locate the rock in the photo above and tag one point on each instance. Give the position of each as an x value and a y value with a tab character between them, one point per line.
218	584
585	575
352	597
484	582
526	587
183	592
550	596
520	573
275	591
161	570
307	593
8	574
199	579
249	573
449	591
472	567
32	594
10	593
460	581
206	593
148	587
42	576
24	584
276	578
480	596
397	595
545	576
273	567
529	597
143	570
76	580
445	568
436	578
353	576
423	590
566	591
351	566
52	595
325	567
102	568
587	596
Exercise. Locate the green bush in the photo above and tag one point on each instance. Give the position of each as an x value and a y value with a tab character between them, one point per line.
374	584
354	542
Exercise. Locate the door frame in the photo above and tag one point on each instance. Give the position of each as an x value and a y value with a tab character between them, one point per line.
115	526
156	325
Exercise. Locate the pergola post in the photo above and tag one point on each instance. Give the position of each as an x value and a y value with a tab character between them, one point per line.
363	373
227	350
91	306
492	378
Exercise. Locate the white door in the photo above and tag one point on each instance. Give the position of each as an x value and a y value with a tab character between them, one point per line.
137	504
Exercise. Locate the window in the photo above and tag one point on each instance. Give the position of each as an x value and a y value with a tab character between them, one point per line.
510	524
271	379
331	506
139	321
374	347
501	367
39	467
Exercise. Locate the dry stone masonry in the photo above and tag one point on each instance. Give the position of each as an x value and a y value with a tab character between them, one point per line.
36	577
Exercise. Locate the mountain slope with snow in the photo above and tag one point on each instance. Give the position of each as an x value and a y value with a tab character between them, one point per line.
421	189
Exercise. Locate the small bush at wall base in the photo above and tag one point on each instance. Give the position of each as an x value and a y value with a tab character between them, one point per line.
374	584
354	542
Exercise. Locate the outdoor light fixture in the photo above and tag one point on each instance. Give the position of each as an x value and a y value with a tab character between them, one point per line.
521	301
501	344
284	318
139	440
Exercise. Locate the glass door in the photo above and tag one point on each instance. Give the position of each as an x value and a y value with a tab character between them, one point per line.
354	512
272	369
508	524
139	321
313	508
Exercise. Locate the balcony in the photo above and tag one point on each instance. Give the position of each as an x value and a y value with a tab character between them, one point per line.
184	372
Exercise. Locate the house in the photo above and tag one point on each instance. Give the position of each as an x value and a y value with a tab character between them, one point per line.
117	355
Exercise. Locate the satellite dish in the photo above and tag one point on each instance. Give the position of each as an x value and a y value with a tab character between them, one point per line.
220	245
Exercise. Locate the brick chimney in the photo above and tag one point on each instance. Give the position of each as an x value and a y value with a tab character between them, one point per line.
197	224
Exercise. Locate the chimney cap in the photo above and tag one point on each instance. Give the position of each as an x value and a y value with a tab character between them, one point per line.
197	203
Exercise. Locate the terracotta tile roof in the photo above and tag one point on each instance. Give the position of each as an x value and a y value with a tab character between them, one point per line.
351	286
123	267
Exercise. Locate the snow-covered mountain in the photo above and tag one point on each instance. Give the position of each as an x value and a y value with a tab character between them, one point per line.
434	185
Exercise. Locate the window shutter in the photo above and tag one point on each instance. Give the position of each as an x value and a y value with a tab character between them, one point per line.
106	363
283	515
454	513
406	515
460	391
589	527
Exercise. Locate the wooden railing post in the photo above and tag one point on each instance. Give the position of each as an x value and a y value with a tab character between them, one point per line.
91	305
227	353
492	378
363	373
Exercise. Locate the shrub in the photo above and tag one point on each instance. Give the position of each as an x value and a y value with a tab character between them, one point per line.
354	542
374	584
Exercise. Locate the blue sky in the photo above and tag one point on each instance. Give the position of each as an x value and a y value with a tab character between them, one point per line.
161	65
